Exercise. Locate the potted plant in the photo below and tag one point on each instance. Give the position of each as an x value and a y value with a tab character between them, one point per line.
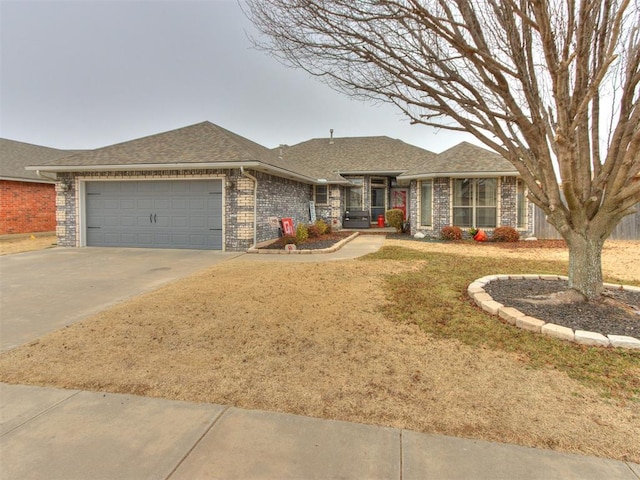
478	235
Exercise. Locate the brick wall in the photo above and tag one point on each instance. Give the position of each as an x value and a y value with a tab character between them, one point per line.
281	198
277	197
27	207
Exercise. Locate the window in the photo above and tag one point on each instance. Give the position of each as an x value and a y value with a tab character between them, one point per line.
378	197
354	194
426	203
321	193
475	202
521	204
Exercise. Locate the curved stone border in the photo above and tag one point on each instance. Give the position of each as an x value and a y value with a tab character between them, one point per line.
515	317
331	249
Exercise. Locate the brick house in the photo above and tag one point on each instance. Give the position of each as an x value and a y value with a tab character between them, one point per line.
27	200
205	187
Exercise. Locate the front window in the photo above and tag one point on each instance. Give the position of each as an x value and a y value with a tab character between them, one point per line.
354	194
426	203
521	200
321	194
475	202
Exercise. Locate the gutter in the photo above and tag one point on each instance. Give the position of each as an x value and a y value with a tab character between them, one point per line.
479	174
255	205
42	175
253	164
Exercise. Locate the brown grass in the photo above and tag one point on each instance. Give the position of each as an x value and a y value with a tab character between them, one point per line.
314	339
20	243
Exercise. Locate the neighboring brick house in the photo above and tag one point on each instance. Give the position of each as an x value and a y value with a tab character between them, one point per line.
27	200
205	187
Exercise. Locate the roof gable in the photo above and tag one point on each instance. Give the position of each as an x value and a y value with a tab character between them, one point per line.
200	143
330	157
463	159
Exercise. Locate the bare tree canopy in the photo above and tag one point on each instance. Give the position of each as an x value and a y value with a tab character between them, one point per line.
542	82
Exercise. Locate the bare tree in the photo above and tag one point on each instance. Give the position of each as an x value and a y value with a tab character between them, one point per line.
542	82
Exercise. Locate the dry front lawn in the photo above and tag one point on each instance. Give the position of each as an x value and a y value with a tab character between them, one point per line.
353	340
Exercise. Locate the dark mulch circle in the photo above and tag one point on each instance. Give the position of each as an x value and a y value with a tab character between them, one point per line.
596	317
317	243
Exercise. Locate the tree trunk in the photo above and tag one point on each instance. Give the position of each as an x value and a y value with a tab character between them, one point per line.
585	264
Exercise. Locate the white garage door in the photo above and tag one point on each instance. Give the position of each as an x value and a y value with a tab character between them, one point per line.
156	214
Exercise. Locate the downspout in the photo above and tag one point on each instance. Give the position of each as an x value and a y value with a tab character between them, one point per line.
255	205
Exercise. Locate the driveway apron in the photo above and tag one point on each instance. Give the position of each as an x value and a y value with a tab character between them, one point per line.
46	290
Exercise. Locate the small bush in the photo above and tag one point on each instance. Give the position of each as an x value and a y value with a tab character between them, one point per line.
302	233
451	233
322	226
505	234
395	218
288	239
314	230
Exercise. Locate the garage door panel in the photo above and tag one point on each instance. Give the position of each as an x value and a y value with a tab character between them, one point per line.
128	203
179	203
145	204
162	214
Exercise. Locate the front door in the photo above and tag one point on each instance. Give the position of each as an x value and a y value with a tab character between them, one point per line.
400	200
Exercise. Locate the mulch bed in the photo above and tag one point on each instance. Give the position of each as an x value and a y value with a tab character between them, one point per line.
317	243
598	317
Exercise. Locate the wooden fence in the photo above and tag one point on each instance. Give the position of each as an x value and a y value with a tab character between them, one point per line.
627	229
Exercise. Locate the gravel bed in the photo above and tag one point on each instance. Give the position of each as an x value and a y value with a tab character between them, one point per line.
594	317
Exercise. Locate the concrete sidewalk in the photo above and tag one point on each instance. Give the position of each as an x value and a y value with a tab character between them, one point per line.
49	433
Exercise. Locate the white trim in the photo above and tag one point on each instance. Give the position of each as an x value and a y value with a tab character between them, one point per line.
27	180
458	175
419	206
254	165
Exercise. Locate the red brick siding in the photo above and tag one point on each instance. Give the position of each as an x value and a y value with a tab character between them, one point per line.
27	207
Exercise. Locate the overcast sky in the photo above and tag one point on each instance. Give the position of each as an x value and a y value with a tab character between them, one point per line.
86	74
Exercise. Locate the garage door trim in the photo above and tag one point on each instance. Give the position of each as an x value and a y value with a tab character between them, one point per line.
81	228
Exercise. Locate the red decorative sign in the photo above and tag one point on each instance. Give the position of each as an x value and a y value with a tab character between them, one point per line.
287	227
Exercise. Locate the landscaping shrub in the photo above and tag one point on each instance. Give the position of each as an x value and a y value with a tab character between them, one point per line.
322	226
505	234
394	218
302	233
314	230
451	233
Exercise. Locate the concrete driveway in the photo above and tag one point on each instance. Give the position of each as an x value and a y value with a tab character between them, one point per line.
45	290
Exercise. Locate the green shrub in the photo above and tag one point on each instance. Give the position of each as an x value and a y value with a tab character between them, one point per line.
322	226
302	233
395	218
451	233
505	234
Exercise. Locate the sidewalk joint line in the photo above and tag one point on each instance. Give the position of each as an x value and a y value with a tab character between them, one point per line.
46	410
197	442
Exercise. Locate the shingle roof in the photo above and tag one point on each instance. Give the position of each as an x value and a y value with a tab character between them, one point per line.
463	158
320	158
14	156
200	143
328	158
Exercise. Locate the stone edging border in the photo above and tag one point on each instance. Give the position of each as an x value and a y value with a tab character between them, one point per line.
331	249
515	317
